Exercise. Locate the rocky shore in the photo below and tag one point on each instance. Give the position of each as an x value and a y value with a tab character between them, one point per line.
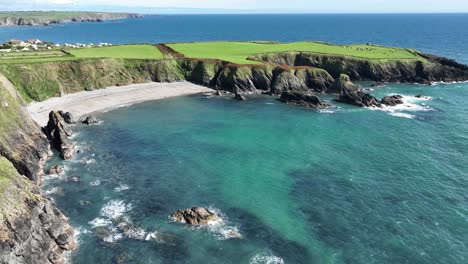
20	19
33	230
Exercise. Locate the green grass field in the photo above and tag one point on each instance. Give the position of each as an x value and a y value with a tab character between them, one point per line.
120	52
237	52
33	56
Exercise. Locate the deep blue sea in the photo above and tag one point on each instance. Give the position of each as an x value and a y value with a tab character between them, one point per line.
344	185
443	34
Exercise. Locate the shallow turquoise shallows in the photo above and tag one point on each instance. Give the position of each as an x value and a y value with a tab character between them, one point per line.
345	185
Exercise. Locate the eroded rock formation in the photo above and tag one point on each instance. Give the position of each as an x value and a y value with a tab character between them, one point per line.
58	133
195	216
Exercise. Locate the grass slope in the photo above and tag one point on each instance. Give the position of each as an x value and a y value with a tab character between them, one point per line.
237	52
120	52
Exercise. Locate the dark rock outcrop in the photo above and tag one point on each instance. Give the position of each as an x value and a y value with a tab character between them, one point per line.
56	169
359	98
89	120
32	230
58	133
392	100
428	69
342	85
350	93
194	216
67	117
21	139
303	99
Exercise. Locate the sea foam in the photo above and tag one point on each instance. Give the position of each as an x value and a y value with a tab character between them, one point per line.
266	259
410	104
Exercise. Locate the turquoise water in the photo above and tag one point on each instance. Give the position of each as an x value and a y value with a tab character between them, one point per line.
346	185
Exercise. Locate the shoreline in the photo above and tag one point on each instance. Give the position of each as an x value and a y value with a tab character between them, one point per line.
87	102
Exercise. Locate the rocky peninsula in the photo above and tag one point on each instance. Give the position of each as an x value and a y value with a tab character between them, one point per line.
45	18
33	229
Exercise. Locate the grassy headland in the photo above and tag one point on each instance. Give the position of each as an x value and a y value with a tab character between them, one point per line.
238	52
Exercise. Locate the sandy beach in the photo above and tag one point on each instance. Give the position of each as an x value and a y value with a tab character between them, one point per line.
87	102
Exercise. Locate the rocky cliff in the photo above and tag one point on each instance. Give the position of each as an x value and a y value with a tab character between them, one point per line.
21	139
32	230
48	18
429	69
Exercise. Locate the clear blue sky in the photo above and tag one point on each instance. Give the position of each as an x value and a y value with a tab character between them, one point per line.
295	6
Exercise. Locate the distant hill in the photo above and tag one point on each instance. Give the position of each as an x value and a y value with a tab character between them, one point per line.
34	18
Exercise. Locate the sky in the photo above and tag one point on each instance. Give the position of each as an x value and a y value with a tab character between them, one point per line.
244	6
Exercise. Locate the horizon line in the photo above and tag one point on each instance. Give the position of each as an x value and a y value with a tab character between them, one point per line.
245	12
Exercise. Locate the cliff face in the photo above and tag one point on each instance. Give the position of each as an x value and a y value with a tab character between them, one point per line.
282	72
41	18
21	139
32	230
429	69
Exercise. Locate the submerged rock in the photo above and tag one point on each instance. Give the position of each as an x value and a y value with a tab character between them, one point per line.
58	132
195	216
302	99
239	97
89	120
392	100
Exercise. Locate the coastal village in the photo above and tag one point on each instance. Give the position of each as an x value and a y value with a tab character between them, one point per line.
16	45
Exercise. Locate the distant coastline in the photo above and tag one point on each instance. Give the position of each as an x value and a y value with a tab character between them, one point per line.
46	18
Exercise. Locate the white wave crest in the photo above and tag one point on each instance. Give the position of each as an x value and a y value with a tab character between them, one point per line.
151	236
98	222
326	111
266	259
221	228
121	187
115	208
410	104
113	237
52	191
95	183
403	115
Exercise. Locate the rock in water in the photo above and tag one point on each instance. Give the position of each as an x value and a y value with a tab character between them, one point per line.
392	100
89	120
57	169
58	132
302	99
195	216
359	98
239	97
342	85
67	117
349	93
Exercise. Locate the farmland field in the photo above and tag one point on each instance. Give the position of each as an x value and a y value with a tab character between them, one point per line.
119	52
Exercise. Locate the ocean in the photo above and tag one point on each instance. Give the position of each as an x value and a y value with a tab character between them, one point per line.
345	185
